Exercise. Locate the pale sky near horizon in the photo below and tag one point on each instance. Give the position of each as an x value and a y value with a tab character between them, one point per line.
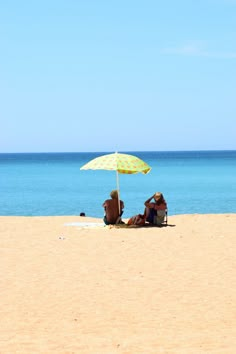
123	75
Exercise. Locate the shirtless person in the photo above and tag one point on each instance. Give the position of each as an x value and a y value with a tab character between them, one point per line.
112	215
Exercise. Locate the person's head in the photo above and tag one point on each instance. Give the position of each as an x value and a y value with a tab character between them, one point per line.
158	197
114	194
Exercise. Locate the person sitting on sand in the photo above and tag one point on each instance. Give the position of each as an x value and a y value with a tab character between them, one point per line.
155	211
112	213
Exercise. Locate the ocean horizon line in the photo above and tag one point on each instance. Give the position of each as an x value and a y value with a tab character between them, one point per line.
120	151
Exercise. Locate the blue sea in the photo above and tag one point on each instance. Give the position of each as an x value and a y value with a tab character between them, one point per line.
53	184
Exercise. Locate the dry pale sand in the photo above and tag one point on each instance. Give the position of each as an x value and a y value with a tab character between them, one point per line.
100	290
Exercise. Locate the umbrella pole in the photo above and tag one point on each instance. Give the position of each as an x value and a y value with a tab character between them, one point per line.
118	189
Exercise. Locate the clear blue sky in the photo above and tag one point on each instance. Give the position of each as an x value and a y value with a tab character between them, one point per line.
127	75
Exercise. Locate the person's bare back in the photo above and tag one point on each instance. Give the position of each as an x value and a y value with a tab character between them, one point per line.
111	206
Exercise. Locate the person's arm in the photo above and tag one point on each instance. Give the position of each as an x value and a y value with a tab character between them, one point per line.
147	203
161	206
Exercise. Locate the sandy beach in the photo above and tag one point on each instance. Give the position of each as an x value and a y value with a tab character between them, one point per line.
71	285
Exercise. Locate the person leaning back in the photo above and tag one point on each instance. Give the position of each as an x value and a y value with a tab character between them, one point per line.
155	211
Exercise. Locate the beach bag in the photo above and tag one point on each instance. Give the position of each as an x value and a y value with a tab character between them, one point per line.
138	219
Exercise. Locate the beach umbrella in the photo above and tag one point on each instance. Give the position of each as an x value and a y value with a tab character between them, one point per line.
121	163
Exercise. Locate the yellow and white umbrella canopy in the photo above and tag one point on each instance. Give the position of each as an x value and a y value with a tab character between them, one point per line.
121	163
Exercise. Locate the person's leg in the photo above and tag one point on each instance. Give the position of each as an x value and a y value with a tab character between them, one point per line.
149	215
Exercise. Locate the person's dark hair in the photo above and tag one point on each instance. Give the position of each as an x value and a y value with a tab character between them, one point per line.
82	214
